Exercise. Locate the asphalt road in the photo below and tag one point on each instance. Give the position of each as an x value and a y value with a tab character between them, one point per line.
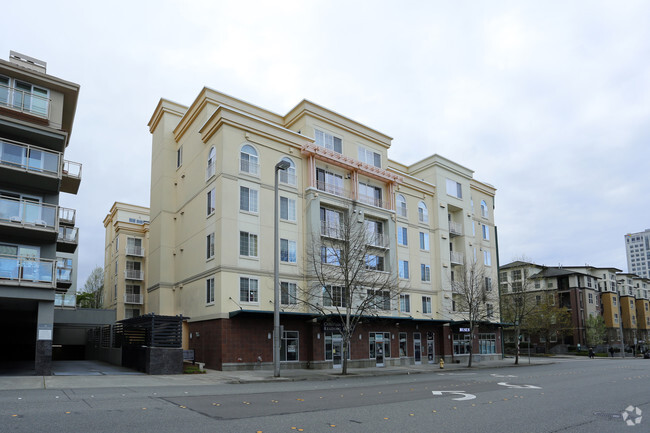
574	396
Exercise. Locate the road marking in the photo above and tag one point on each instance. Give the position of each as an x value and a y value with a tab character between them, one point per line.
455	374
509	385
500	375
465	396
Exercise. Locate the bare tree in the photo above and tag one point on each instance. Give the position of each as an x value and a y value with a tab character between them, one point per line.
518	302
472	299
348	272
93	292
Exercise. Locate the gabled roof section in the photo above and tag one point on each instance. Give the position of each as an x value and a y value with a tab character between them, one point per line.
436	160
165	106
519	264
308	108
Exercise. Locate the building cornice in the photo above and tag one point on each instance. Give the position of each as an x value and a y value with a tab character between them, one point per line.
165	106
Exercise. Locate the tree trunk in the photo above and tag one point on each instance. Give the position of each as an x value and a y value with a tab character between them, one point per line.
517	340
471	347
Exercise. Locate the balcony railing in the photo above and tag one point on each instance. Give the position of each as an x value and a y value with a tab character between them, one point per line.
374	201
133	274
246	166
25	157
67	216
455	228
457	258
68	234
24	101
377	240
67	301
133	298
27	213
64	274
71	169
25	270
333	189
133	250
330	229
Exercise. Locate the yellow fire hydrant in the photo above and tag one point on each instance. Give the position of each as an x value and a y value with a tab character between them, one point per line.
442	363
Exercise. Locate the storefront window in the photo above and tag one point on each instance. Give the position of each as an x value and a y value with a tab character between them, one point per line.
376	337
403	351
487	343
289	346
462	344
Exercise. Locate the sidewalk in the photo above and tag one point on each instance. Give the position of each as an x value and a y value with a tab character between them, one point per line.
109	377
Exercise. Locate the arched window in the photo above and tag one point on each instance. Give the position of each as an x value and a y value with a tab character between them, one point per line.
401	205
212	156
288	176
423	213
248	161
484	209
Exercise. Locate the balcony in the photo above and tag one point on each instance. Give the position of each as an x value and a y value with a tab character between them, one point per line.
455	229
34	219
134	274
333	189
65	301
134	250
373	201
63	276
67	216
133	298
68	239
70	177
30	165
457	258
26	271
24	101
331	230
377	240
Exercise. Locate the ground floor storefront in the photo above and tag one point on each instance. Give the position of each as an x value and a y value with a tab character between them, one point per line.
245	341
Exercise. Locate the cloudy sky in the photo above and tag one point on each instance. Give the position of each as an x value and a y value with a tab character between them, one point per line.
548	101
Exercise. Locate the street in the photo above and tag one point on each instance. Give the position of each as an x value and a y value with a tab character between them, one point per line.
576	395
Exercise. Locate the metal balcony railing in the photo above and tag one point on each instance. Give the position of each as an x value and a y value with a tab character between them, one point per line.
247	166
28	213
24	101
32	159
330	229
133	298
133	250
68	234
67	216
377	240
457	258
71	169
455	228
133	274
374	201
21	270
332	189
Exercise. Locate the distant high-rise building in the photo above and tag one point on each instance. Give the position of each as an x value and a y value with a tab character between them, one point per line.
637	250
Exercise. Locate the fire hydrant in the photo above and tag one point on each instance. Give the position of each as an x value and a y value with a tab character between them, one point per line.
442	363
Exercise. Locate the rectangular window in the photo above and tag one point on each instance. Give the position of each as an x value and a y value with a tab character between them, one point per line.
591	298
248	199
487	343
424	241
405	303
375	232
403	344
289	346
488	284
330	182
248	290
330	223
328	141
287	251
209	291
209	253
404	269
454	189
369	157
374	262
379	341
425	272
247	244
490	310
288	293
334	296
426	305
379	299
179	156
370	194
402	236
486	232
487	258
287	209
330	256
211	202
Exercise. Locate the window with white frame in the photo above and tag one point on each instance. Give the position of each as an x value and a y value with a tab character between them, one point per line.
379	299
486	232
248	160
426	305
287	251
404	269
424	241
487	258
288	293
209	291
488	284
400	202
405	303
209	246
287	209
179	156
289	346
369	157
402	236
210	169
329	182
370	194
423	213
330	255
248	289
375	232
247	244
454	189
24	96
248	199
328	141
334	296
288	175
425	272
484	209
211	205
374	262
330	222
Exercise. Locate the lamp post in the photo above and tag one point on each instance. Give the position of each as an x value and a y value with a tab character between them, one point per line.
282	165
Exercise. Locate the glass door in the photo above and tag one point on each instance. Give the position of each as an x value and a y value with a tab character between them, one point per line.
431	353
379	350
417	348
337	353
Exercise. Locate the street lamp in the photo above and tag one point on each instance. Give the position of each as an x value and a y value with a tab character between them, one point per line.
282	165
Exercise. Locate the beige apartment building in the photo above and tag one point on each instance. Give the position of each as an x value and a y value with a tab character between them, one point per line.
125	270
210	250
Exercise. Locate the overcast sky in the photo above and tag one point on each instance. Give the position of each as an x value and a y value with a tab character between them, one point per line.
548	101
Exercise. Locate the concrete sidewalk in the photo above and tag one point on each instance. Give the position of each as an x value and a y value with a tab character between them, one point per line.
72	376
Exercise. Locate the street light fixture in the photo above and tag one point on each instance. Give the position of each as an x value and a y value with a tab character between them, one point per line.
282	165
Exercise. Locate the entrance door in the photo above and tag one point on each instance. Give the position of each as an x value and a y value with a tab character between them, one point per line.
417	348
431	352
379	349
337	353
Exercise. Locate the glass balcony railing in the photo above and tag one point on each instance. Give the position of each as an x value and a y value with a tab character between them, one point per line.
66	301
20	270
68	234
67	216
27	213
33	102
29	158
